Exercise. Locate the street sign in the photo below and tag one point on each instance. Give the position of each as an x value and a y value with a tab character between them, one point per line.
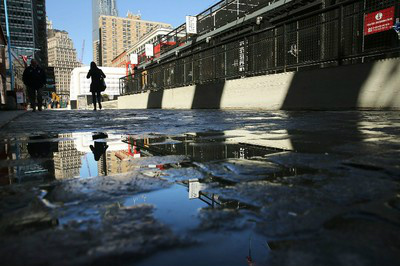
134	59
149	50
191	25
242	56
378	21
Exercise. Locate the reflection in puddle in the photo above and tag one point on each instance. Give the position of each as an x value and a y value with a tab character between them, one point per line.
172	207
88	167
200	147
63	156
84	155
193	166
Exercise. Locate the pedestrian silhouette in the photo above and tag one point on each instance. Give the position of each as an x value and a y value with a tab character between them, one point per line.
99	148
34	79
97	85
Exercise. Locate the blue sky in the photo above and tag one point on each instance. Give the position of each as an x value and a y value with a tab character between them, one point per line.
75	16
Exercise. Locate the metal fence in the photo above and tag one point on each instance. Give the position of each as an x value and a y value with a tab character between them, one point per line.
212	18
329	36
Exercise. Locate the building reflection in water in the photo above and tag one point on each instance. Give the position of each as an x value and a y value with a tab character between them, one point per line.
200	147
90	154
67	160
61	156
103	154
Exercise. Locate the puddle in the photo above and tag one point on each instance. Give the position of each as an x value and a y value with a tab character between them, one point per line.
180	206
173	207
179	180
85	155
234	249
269	190
200	147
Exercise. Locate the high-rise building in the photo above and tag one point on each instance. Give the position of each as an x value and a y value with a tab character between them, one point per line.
39	22
27	24
62	56
49	24
100	8
96	52
20	22
3	67
119	34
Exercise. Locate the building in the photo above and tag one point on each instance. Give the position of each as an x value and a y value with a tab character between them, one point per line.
67	160
50	81
80	95
20	22
116	162
120	61
3	65
27	23
49	25
96	52
154	37
40	26
62	56
100	8
119	34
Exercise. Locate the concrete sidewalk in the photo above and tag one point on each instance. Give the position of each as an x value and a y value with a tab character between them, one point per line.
7	116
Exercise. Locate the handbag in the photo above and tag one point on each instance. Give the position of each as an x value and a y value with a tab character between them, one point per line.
103	84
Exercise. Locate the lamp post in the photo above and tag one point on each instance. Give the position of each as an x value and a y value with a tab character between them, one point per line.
9	46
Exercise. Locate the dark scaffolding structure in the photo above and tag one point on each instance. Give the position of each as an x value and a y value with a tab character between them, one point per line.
242	38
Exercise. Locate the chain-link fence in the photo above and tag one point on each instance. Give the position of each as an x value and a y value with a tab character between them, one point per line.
335	34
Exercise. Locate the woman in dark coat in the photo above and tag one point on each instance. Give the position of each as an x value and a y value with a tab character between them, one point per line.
96	86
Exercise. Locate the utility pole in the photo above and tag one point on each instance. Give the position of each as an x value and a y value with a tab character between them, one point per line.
9	46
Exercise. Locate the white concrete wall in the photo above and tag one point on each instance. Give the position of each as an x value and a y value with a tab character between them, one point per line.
374	85
137	101
110	104
382	88
80	85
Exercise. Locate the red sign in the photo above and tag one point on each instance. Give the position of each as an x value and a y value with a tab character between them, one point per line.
378	21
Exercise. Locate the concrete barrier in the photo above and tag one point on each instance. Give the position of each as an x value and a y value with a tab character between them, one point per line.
373	85
110	104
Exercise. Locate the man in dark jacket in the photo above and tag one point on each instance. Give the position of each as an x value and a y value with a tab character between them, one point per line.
34	78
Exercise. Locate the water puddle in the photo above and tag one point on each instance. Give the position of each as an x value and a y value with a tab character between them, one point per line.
101	176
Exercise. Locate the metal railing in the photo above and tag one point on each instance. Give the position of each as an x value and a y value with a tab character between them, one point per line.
330	36
210	19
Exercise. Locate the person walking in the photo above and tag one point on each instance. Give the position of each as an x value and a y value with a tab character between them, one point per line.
34	78
97	85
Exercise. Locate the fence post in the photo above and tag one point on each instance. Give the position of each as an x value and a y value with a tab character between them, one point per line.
284	48
214	63
340	36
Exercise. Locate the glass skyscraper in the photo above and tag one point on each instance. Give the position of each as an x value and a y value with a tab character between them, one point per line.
99	8
20	19
27	21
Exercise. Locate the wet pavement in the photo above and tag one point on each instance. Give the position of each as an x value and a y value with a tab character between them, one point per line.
204	187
